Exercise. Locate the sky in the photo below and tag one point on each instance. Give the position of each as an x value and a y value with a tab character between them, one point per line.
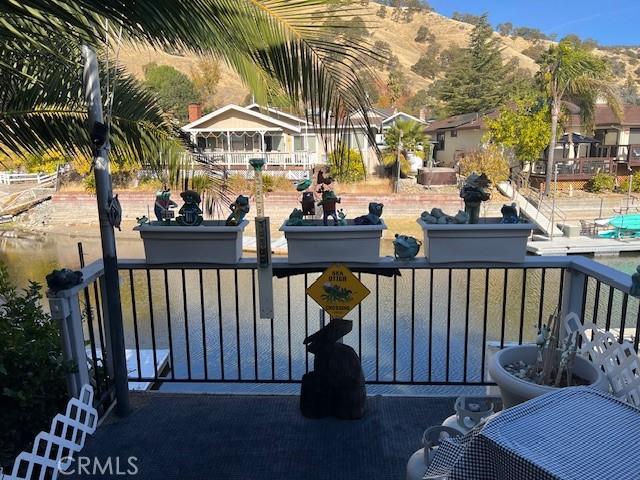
610	22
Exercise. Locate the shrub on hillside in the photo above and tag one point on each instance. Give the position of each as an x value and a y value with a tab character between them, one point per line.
32	369
635	183
490	160
601	182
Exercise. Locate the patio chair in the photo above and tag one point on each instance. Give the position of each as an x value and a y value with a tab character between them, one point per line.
431	439
588	228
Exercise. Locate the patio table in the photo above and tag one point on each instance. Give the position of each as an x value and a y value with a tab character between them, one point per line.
574	433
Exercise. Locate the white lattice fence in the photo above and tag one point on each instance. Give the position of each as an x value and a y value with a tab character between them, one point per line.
53	451
619	361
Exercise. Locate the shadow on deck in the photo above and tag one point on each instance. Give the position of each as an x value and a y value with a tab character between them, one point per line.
181	436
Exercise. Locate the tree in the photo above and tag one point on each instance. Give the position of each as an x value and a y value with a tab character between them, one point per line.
629	92
424	35
382	11
396	86
475	80
570	72
524	126
469	18
356	28
406	136
42	105
174	90
427	65
489	160
205	78
505	29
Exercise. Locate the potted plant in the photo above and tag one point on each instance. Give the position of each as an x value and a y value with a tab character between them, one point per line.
311	240
189	238
524	372
453	239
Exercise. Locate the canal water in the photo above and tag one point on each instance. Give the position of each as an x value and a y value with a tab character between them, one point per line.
420	326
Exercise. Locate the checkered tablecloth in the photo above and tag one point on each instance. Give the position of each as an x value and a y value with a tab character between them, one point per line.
574	433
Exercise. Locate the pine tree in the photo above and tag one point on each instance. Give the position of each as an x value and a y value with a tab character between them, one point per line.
475	80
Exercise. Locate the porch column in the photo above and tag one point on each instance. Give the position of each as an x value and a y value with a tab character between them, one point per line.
227	157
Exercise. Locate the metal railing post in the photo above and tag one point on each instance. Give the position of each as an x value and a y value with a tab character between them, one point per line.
66	310
573	293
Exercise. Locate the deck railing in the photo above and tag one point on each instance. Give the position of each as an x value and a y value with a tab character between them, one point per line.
421	325
275	159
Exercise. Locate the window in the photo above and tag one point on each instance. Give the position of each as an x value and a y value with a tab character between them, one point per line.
298	143
202	142
302	143
454	133
440	140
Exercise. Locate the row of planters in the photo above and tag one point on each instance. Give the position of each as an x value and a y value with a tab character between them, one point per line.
319	231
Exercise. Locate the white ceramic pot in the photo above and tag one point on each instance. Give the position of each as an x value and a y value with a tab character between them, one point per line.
515	391
318	243
210	242
489	241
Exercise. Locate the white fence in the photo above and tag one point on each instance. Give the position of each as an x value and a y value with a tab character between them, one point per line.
276	159
37	178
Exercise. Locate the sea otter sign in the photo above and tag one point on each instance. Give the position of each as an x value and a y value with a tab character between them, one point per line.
338	291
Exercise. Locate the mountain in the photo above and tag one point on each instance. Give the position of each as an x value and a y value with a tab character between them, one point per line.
446	32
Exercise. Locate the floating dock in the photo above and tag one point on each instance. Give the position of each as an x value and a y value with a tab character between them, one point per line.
583	246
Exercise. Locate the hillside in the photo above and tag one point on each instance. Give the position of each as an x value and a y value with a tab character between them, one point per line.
446	31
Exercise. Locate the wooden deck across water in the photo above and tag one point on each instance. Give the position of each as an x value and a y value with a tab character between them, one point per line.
583	245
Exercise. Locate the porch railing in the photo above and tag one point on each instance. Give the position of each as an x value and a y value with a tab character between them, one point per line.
578	167
274	159
421	325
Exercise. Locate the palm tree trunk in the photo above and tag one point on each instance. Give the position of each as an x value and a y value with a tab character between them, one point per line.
555	113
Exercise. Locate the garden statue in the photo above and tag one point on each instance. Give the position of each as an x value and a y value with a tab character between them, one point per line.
328	203
438	217
142	220
163	205
296	219
308	203
190	212
342	218
239	209
373	217
635	283
324	183
509	214
63	279
475	191
304	185
405	247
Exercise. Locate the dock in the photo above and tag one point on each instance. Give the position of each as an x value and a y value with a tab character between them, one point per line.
583	246
146	365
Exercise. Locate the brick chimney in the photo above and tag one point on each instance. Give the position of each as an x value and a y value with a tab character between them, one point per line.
195	111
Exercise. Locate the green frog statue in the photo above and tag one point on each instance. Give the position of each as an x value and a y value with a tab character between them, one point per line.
190	212
239	210
328	204
475	191
405	247
163	205
296	219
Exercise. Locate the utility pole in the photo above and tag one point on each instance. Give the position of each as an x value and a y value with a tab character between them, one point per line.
108	208
396	189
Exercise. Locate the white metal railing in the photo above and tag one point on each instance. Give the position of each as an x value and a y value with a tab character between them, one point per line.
38	178
283	159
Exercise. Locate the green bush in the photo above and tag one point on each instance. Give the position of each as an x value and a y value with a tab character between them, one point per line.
346	165
635	183
601	182
32	370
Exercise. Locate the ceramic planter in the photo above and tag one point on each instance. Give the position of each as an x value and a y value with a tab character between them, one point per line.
515	391
318	243
490	241
211	242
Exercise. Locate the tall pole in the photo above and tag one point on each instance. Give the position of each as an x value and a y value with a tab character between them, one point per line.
104	194
553	206
398	161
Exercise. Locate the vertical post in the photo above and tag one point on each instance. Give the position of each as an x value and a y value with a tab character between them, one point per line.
573	293
398	161
104	194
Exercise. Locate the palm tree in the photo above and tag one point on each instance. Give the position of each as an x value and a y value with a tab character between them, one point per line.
401	139
570	72
273	45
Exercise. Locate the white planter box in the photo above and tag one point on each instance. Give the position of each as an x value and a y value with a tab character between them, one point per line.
482	242
349	243
211	242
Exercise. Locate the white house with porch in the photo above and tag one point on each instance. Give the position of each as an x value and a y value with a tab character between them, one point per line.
231	135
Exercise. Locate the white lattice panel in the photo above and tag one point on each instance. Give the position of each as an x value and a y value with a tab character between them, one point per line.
52	451
619	361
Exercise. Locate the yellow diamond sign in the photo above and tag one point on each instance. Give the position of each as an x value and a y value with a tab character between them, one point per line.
338	291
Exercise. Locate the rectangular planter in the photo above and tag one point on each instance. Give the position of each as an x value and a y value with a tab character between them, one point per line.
211	242
489	241
317	243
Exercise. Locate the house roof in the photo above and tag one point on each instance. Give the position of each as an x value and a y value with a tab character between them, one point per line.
194	126
257	107
604	116
465	121
402	114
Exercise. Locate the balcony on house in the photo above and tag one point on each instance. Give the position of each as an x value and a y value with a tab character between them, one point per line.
424	336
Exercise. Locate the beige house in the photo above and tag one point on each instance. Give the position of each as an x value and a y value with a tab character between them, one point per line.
232	135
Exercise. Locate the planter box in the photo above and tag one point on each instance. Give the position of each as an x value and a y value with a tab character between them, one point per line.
490	241
515	391
211	242
317	243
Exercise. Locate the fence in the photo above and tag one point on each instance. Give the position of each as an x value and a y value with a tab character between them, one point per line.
421	325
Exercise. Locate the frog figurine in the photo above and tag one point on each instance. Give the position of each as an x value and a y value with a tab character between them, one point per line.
296	218
163	205
342	218
328	203
190	212
373	217
405	247
239	209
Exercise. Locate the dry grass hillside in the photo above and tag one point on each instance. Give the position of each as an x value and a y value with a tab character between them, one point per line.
399	35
